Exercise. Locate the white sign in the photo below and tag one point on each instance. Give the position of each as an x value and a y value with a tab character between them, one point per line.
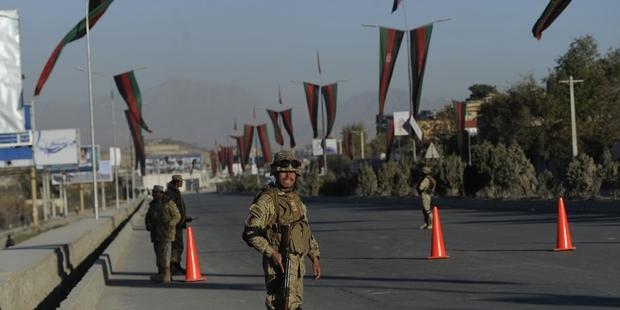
11	113
331	145
115	156
431	152
405	125
56	147
85	161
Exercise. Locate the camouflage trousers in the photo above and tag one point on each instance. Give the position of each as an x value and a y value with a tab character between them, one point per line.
177	247
273	281
162	255
426	207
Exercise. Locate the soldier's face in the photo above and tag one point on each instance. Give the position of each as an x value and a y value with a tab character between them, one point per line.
286	179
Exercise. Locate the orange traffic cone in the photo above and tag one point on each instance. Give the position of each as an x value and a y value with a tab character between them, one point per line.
564	241
192	265
438	248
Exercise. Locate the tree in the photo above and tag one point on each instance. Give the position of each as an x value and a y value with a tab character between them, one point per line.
582	178
481	91
356	130
367	180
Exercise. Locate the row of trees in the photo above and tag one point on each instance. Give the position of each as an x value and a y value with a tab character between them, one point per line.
523	149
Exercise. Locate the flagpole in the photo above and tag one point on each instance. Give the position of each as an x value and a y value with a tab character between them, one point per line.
116	158
322	115
92	115
413	144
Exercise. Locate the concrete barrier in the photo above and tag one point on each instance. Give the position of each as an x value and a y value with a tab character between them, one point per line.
33	270
87	292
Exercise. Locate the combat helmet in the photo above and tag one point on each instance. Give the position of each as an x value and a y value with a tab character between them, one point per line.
285	161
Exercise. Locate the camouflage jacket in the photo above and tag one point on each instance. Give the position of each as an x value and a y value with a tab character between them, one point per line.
427	185
175	195
161	220
272	208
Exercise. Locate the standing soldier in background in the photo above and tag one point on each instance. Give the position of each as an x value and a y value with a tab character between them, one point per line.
275	207
161	220
173	193
426	187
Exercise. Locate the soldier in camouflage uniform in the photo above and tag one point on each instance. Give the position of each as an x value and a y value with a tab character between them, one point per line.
173	193
278	204
426	187
161	220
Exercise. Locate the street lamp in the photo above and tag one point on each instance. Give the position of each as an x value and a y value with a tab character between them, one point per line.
361	133
573	124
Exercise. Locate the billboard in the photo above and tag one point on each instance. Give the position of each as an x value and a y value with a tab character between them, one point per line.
405	124
11	112
85	161
331	145
55	147
115	156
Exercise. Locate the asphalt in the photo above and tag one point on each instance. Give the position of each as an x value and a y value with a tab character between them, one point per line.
374	257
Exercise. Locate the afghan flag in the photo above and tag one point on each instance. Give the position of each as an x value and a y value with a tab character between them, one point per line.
241	149
230	155
395	5
389	138
138	141
552	11
459	108
330	94
312	99
248	137
273	115
389	44
288	125
128	87
96	9
347	143
213	156
264	142
221	155
420	40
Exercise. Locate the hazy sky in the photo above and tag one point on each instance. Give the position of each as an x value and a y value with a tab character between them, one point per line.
257	45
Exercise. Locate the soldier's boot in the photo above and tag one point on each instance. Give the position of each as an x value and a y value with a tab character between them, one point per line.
177	269
429	224
166	277
423	226
157	278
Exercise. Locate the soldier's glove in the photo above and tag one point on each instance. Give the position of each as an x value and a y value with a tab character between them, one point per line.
188	219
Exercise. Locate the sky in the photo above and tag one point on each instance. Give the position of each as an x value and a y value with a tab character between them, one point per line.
258	45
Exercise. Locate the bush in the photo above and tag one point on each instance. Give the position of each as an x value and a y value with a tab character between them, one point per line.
309	185
582	180
506	170
367	180
450	176
547	187
385	177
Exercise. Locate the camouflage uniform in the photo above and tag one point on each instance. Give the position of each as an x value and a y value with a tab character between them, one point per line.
271	208
160	220
426	187
174	194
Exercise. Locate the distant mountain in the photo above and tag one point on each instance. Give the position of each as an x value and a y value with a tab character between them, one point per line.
200	113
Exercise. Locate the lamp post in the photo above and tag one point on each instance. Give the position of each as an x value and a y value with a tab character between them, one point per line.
573	124
92	114
361	133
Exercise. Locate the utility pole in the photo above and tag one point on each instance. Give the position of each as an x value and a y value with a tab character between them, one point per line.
361	132
95	156
573	124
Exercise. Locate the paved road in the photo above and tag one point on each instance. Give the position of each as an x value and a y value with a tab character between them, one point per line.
374	257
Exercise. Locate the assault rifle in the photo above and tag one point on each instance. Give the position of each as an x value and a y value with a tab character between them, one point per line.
284	242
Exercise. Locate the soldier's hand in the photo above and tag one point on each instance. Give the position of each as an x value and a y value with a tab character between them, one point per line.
276	260
188	219
316	268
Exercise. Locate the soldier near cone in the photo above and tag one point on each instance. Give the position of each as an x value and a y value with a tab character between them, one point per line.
173	193
277	206
161	220
426	187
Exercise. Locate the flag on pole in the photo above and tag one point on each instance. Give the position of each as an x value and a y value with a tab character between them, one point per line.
318	61
273	115
213	157
330	94
235	125
279	95
241	150
288	125
312	100
395	5
552	11
389	44
389	138
420	40
138	141
96	9
264	142
459	108
129	90
248	137
347	143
